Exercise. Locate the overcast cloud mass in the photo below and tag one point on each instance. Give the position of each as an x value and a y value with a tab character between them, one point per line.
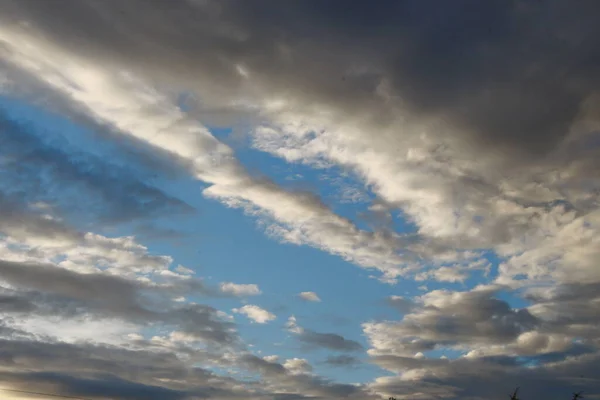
315	199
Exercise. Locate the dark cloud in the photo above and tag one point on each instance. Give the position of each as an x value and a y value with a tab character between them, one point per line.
571	309
531	347
304	384
15	304
455	318
102	371
490	379
17	220
508	74
58	291
112	387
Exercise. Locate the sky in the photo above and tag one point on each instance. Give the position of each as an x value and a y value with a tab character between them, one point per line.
302	199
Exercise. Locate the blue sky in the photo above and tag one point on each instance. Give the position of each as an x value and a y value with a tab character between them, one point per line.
212	201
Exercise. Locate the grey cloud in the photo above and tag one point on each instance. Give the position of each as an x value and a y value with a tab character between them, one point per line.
450	319
496	89
107	291
400	303
533	347
342	361
490	379
19	221
304	384
570	309
98	372
263	366
111	387
15	304
487	68
63	292
331	341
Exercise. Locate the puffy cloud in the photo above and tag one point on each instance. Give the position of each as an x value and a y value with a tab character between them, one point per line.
309	296
240	289
256	313
499	344
444	319
297	366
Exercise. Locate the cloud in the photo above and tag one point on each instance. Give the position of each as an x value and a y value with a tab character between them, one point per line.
367	89
297	366
489	378
97	371
99	388
241	290
299	218
255	313
400	303
497	343
312	339
330	341
475	123
55	291
44	167
309	296
445	319
342	360
295	375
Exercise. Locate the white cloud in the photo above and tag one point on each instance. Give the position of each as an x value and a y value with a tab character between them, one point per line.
292	325
309	296
271	358
241	290
298	366
85	328
255	313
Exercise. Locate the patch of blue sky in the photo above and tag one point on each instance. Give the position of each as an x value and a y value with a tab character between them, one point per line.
225	242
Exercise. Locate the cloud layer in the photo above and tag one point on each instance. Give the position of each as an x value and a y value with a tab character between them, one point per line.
470	130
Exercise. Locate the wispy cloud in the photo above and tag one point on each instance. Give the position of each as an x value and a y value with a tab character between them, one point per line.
309	296
240	289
